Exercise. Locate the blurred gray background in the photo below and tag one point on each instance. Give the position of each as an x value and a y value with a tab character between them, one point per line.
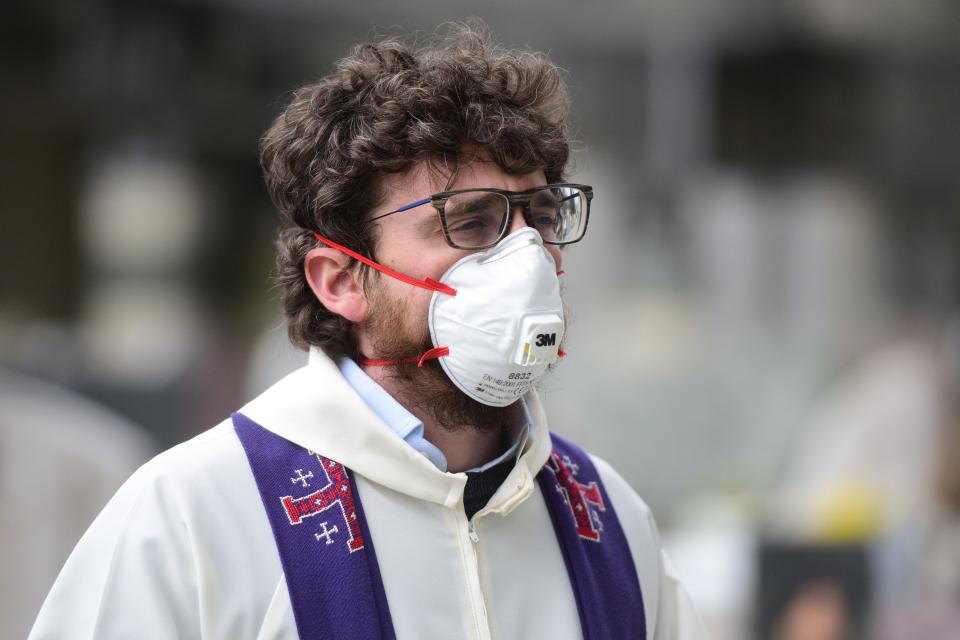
764	332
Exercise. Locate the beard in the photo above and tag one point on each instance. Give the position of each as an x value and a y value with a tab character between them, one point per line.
394	336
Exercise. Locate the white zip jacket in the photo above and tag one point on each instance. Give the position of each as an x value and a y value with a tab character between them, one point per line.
185	550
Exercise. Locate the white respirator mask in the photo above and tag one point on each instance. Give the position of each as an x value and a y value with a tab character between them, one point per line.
495	319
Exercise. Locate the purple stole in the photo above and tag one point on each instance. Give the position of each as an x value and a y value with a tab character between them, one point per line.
594	547
331	568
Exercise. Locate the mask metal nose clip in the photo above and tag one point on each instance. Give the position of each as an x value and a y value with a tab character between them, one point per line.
511	244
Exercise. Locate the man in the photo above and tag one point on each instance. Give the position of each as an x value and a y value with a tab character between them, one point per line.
404	483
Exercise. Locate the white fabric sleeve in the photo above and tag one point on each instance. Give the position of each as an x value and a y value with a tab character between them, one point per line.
132	575
669	612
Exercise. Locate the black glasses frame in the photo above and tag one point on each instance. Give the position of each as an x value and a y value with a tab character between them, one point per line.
514	199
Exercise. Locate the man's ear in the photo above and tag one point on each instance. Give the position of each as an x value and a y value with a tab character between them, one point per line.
337	286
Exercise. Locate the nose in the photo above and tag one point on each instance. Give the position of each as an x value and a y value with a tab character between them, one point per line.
518	221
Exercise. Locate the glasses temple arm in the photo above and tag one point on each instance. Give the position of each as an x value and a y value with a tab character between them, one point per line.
405	207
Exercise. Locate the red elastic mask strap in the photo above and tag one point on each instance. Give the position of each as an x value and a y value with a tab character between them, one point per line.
431	354
427	283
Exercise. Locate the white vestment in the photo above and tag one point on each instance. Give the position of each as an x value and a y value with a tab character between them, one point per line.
185	550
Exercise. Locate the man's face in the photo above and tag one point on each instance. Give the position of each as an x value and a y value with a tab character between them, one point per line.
412	242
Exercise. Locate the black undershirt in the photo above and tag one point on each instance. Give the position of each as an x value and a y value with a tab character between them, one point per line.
481	485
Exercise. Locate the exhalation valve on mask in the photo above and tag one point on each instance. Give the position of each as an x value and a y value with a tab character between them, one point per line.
538	342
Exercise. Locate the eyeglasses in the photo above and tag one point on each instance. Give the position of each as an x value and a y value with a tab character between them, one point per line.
480	218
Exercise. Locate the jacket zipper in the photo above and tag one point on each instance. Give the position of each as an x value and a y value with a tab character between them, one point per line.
472	531
468	541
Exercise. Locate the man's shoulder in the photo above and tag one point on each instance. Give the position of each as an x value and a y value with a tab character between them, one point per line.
191	466
186	491
212	446
175	527
626	497
621	492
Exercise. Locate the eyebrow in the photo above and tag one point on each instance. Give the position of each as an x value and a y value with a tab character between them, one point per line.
474	204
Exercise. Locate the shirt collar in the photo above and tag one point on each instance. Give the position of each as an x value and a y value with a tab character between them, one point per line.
410	428
406	425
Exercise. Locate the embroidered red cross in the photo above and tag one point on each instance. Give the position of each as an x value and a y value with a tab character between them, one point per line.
579	497
336	492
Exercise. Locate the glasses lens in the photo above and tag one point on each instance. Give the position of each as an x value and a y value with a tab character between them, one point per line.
475	219
559	214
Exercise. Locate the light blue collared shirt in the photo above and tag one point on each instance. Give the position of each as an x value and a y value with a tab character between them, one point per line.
408	426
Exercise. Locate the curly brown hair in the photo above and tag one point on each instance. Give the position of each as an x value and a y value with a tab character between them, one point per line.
386	107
